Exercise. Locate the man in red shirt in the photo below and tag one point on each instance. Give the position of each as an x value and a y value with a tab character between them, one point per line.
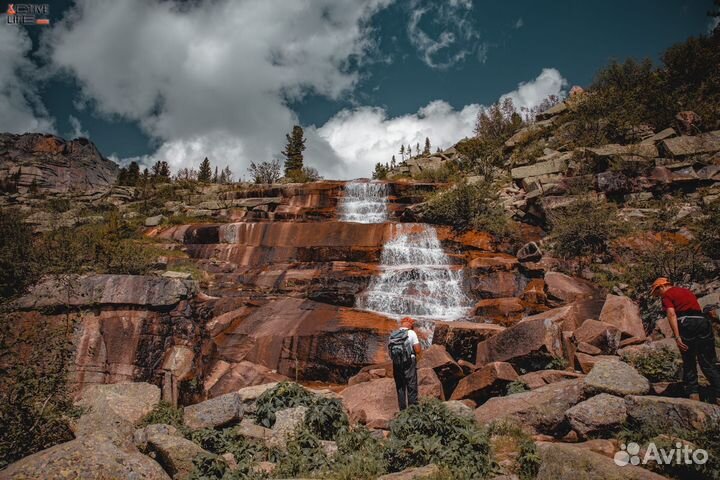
693	335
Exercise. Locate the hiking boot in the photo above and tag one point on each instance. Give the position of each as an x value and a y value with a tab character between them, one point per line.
695	396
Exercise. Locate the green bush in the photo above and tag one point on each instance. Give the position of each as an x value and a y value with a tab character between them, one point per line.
430	433
325	416
165	413
35	400
528	460
584	228
466	206
359	457
447	172
304	456
228	440
657	364
517	386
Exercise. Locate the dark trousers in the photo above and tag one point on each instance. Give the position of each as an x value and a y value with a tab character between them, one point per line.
406	383
696	332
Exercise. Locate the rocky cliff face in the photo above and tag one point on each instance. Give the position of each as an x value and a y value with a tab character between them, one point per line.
41	162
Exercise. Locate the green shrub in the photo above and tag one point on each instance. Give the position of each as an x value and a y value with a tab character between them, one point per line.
325	416
228	440
466	206
447	172
35	400
708	231
430	433
584	228
517	386
528	460
165	413
359	457
657	364
304	456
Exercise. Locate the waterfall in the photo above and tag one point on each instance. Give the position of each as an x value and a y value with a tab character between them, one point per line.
416	279
364	202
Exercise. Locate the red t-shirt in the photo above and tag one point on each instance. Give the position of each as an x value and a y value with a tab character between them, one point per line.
681	299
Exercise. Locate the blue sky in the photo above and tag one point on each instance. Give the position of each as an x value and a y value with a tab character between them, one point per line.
150	80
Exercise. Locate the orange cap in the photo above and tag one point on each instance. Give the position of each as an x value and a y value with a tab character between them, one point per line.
407	321
660	282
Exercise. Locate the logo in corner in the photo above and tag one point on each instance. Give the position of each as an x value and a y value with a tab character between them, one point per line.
11	9
628	454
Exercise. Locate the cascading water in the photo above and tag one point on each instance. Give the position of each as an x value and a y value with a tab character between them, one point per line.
416	278
364	202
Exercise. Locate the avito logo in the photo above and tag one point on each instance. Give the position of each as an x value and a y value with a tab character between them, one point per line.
682	454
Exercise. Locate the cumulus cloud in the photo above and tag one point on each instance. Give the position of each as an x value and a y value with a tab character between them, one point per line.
20	107
519	23
362	137
442	32
531	94
212	77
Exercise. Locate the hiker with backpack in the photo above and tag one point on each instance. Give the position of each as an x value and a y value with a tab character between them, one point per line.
404	346
693	334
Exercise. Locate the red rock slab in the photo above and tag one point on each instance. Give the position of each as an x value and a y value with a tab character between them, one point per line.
504	311
496	284
460	339
483	383
223	377
544	377
320	340
562	289
586	362
489	262
624	314
602	335
374	403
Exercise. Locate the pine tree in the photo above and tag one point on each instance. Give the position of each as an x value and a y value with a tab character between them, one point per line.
228	174
161	171
205	173
402	152
215	178
293	152
409	151
426	151
133	174
417	149
393	163
380	172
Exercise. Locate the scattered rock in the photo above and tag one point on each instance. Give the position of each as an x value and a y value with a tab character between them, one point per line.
685	145
563	289
175	454
530	252
544	377
602	335
88	457
541	410
461	339
154	221
567	462
489	380
600	414
286	422
670	413
216	412
615	378
586	362
427	471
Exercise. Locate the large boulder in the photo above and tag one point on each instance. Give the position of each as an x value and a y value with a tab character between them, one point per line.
460	339
175	454
557	165
90	457
216	412
561	461
602	335
374	403
585	362
540	411
624	314
563	289
615	378
113	410
529	344
670	413
444	366
597	415
492	379
692	145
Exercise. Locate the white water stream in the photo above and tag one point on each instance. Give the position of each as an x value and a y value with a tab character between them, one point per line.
364	202
416	278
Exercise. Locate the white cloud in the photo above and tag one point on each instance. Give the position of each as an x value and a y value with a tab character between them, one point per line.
519	23
212	77
531	94
457	37
482	52
77	130
362	137
20	107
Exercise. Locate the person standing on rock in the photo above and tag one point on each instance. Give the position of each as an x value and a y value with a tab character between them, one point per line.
693	334
404	346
